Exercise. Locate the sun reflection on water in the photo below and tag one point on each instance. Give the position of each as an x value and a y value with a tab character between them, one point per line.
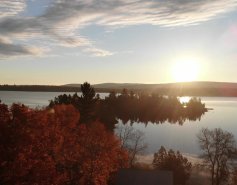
184	99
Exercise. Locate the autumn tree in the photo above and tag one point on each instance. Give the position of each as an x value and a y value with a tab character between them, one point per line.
50	147
175	162
4	113
218	148
103	154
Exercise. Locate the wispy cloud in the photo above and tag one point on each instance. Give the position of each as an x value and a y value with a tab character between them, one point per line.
8	49
62	21
98	52
12	7
80	13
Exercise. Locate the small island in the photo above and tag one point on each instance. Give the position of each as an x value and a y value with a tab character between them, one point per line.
129	106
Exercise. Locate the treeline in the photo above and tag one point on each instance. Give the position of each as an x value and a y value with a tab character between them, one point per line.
153	108
130	106
46	88
165	90
39	88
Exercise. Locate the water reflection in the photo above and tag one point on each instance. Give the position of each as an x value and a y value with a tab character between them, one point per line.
154	109
183	137
133	107
184	99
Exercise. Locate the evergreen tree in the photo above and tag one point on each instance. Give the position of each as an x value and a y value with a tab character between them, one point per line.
175	162
87	103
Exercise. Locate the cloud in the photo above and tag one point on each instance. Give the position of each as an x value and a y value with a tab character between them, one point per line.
80	13
62	21
20	27
7	48
11	7
98	52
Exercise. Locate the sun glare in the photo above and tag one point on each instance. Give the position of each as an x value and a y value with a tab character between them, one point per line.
184	99
185	70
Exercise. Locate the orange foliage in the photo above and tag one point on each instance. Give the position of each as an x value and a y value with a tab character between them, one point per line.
49	147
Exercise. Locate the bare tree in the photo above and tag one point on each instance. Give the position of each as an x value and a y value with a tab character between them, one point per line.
132	140
218	148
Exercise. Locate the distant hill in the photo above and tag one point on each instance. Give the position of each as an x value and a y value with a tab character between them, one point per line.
71	85
176	89
110	85
167	85
182	88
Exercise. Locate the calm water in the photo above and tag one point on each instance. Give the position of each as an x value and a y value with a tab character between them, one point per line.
32	99
183	138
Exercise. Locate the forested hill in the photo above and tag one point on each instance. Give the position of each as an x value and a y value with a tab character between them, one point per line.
177	89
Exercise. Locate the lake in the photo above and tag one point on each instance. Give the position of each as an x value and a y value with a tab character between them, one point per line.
175	136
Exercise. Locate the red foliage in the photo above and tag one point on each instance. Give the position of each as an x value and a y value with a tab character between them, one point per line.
49	147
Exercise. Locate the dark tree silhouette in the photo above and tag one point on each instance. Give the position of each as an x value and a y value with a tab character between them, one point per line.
88	92
87	103
65	99
131	107
175	162
194	107
218	148
156	109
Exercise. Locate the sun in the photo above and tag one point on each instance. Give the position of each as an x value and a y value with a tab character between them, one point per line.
185	70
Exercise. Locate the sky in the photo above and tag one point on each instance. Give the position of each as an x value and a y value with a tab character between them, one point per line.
56	42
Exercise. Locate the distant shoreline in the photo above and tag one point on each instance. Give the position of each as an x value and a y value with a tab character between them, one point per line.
208	89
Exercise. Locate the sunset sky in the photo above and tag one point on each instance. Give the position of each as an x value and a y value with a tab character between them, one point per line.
134	41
